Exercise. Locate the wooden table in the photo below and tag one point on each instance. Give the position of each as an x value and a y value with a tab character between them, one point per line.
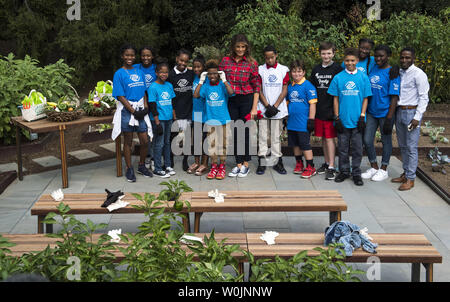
44	125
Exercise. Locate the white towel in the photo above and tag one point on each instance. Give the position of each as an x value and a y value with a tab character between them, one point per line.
218	197
269	237
114	234
117	120
118	204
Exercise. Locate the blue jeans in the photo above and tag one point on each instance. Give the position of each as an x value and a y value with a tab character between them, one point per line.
350	142
408	141
372	124
161	145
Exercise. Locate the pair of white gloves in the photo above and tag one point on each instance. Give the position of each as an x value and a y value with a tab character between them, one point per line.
204	74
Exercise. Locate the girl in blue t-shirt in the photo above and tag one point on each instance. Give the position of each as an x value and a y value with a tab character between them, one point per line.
129	90
301	99
385	84
366	61
149	69
160	95
198	118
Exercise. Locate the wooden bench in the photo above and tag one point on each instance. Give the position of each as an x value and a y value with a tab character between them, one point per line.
392	248
235	201
27	243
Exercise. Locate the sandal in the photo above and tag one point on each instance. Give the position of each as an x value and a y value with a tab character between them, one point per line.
201	170
192	168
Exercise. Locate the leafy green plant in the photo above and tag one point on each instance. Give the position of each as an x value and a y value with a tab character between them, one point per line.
325	267
293	38
18	77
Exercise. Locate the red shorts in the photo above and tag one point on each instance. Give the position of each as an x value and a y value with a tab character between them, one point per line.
324	129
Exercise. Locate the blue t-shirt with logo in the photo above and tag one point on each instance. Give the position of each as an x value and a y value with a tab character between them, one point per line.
129	84
351	90
149	72
162	95
216	103
382	89
362	65
299	96
198	104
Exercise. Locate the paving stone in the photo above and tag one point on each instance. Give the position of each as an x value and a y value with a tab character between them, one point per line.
47	161
83	154
111	147
10	167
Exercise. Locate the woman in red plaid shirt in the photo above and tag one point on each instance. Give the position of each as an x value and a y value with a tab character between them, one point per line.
241	71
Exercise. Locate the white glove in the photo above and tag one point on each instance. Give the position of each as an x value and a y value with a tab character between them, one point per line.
222	76
202	77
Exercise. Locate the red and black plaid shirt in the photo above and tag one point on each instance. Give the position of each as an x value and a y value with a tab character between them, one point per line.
242	76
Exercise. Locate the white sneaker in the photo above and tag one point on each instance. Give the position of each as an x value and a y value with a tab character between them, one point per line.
369	173
244	171
234	172
170	171
380	175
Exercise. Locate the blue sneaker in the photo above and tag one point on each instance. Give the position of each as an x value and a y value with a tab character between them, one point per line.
130	175
144	171
244	171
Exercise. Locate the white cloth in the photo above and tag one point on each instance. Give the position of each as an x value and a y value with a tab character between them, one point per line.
58	195
118	204
117	120
269	237
272	86
187	238
218	197
114	234
414	89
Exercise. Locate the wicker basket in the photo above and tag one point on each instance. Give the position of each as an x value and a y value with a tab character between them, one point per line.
104	112
63	116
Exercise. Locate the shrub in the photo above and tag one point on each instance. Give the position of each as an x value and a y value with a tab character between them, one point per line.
292	37
19	77
429	37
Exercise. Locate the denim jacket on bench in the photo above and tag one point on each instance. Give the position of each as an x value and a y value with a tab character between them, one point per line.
348	234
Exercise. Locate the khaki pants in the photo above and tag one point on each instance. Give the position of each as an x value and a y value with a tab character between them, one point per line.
270	129
217	142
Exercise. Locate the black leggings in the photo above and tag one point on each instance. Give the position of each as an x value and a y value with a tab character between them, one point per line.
239	106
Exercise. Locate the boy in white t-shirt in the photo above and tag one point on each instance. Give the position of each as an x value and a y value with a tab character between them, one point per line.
272	103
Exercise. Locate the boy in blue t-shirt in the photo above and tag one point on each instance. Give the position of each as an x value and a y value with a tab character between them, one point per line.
366	62
215	92
160	95
385	82
350	89
301	98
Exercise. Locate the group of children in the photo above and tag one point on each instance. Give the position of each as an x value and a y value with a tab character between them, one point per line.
337	101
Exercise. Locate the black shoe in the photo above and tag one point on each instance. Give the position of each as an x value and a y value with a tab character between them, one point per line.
185	163
322	169
341	177
358	180
279	167
261	169
330	174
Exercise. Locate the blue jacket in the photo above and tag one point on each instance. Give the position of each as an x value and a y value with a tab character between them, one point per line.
348	234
